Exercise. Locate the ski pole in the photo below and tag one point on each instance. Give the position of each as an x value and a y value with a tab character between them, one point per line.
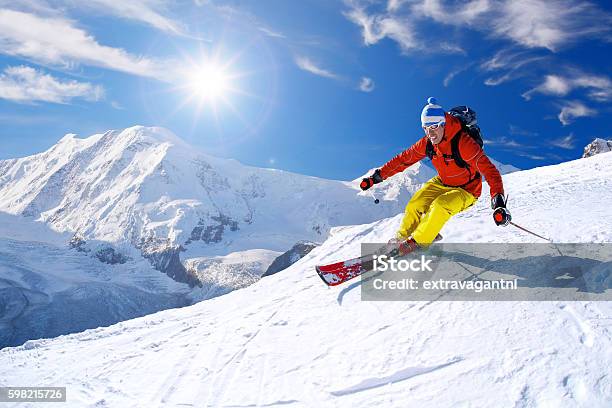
539	236
532	233
364	186
525	229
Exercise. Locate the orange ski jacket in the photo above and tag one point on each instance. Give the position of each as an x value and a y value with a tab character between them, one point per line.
470	178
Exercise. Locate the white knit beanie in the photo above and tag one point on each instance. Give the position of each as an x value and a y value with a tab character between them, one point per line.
432	113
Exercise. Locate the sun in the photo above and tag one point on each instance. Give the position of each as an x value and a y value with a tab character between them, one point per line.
210	82
213	87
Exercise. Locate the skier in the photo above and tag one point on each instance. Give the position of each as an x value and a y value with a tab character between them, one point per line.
457	185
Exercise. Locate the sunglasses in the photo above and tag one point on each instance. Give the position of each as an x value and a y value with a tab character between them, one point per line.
433	127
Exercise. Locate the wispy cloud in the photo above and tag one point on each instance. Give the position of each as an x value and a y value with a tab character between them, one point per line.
510	145
515	130
509	59
271	33
550	24
394	5
599	87
452	48
464	14
552	85
56	41
308	65
25	84
36	6
375	27
574	109
505	142
568	142
151	12
451	75
531	156
511	63
366	84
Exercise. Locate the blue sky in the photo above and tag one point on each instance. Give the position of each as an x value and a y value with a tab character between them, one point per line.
325	88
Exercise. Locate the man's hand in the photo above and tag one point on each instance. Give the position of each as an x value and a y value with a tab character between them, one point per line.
501	215
368	182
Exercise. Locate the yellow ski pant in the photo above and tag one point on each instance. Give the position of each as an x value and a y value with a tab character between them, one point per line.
430	208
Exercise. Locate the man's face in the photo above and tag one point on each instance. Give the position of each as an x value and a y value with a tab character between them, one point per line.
434	133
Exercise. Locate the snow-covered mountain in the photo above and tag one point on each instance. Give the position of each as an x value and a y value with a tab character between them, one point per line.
597	146
289	340
144	192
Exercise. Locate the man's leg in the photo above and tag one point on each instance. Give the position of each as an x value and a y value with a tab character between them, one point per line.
441	209
419	205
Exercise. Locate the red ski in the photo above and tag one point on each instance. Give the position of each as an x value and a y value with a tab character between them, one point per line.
340	272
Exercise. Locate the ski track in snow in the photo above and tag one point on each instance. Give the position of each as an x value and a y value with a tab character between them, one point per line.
405	374
288	340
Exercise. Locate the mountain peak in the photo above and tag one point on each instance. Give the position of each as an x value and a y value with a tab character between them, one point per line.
143	134
597	146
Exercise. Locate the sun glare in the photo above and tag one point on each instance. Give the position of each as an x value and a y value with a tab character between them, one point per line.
210	82
211	86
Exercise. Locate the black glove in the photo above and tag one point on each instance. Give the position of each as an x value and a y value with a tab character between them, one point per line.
368	182
501	215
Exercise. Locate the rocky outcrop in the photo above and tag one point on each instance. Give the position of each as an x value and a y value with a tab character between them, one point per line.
104	252
212	232
110	256
297	252
597	146
165	257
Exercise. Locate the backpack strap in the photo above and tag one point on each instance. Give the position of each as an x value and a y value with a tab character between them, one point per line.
431	152
455	150
459	160
429	149
476	176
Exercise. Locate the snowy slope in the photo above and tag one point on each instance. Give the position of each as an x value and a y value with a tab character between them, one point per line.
47	289
289	340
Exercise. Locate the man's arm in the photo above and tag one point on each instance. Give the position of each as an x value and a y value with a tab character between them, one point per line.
473	154
476	158
405	159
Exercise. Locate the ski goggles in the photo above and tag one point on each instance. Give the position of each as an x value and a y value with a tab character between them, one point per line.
434	126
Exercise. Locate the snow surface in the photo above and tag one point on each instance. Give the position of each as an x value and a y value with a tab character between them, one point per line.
48	289
222	274
288	340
